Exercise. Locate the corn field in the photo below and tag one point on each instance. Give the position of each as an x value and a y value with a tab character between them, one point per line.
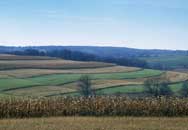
93	106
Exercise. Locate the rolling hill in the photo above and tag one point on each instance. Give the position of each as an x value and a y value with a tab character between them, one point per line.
46	77
154	58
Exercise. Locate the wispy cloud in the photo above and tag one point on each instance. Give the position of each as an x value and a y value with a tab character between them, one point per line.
72	18
50	13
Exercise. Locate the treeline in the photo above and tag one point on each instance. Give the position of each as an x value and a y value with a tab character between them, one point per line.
81	56
153	87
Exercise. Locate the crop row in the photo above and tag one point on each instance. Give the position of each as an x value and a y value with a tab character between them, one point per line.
93	106
59	79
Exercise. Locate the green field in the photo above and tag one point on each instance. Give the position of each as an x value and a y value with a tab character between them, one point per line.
58	80
65	78
171	62
134	89
55	81
126	89
122	89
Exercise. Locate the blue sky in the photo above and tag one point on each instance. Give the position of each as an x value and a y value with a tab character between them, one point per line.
129	23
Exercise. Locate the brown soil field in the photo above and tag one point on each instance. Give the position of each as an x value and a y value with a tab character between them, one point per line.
97	84
50	64
181	70
15	57
40	91
95	123
175	76
23	73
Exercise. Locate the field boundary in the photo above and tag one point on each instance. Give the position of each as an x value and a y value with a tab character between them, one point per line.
98	73
53	68
81	73
61	84
114	86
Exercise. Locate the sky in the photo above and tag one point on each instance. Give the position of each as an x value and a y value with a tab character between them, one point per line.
148	24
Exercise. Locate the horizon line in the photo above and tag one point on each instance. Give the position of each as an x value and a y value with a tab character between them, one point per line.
102	46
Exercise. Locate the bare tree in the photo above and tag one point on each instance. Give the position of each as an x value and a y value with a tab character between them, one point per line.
184	89
157	87
84	85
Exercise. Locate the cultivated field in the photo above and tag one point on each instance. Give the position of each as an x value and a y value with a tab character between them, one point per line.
26	73
14	57
45	77
93	106
49	64
42	87
95	123
171	62
100	80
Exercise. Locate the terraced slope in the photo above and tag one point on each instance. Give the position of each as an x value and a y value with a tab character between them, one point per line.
15	57
65	83
56	77
25	73
59	79
49	64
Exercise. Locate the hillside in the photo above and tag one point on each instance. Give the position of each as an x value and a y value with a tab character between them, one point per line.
105	51
56	77
15	57
155	59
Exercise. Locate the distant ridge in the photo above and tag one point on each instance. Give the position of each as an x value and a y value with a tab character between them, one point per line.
102	50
